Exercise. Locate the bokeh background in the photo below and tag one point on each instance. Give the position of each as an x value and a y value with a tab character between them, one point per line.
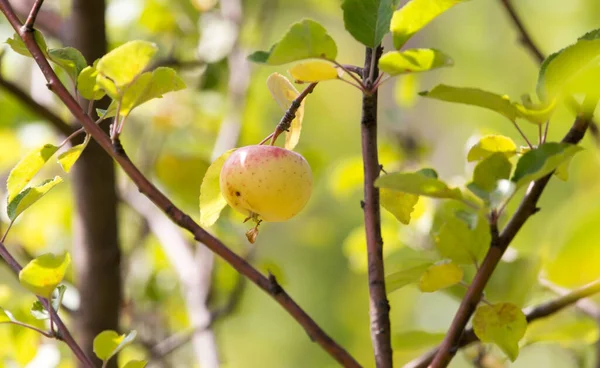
319	256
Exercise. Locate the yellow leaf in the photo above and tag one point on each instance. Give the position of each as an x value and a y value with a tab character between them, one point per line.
68	158
284	93
399	204
313	71
503	324
440	276
211	199
491	144
43	274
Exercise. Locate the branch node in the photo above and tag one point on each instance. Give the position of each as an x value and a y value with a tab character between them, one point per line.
362	204
274	287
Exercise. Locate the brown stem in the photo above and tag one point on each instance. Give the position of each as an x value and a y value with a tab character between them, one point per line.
269	285
500	242
532	314
63	331
290	114
525	38
35	9
378	303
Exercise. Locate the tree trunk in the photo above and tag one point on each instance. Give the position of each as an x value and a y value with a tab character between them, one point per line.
96	250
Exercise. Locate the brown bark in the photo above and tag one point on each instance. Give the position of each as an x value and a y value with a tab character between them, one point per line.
96	250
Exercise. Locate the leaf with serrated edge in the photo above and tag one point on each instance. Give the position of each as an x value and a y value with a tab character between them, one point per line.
306	39
413	61
26	169
491	144
503	324
43	274
440	276
368	20
108	343
284	92
415	15
399	204
211	198
542	161
313	71
417	183
29	196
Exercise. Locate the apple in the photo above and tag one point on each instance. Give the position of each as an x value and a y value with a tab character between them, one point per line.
266	182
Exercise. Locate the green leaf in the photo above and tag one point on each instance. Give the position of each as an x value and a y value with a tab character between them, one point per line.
29	196
413	60
490	170
147	86
313	71
415	15
368	20
70	59
211	198
18	46
418	183
306	39
136	364
38	311
108	343
57	297
537	114
463	245
399	204
574	69
124	63
43	274
440	276
491	144
400	279
541	161
514	280
68	158
416	340
26	169
87	83
503	324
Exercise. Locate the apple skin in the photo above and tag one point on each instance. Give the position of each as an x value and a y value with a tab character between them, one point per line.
268	182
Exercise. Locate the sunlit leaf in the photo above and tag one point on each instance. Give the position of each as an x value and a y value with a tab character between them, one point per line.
463	245
416	340
108	343
87	83
29	196
37	309
440	276
413	60
503	324
562	171
542	161
26	169
18	46
43	274
147	86
491	144
306	39
70	59
313	71
418	183
368	20
574	69
399	204
121	65
284	93
415	15
68	158
490	170
135	364
211	198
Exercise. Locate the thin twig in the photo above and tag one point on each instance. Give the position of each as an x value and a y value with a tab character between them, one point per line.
546	131
500	243
532	314
269	285
35	9
522	134
45	333
290	114
378	302
345	68
525	38
62	331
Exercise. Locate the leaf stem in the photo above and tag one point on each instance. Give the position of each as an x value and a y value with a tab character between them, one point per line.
344	68
10	224
522	134
42	332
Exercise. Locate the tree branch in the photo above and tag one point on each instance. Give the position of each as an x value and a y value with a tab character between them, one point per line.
525	38
35	9
41	110
269	285
499	244
50	22
378	303
532	314
63	331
